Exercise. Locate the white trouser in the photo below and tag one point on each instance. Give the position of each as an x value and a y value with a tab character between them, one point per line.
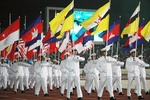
117	80
26	81
143	80
38	83
93	80
86	81
108	81
137	83
12	81
76	80
50	82
19	80
64	82
3	81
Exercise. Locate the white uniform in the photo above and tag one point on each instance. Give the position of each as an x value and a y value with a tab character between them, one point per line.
31	76
92	75
56	71
18	76
64	77
133	73
116	71
143	77
74	74
3	75
11	75
41	73
86	77
26	74
105	69
50	76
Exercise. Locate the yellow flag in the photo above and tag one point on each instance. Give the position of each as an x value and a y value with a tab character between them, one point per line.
146	32
60	18
103	25
96	17
68	24
132	28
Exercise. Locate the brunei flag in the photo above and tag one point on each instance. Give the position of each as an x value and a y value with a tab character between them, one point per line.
133	23
146	32
63	21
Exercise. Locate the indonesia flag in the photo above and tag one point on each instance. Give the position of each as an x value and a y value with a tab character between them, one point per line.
10	34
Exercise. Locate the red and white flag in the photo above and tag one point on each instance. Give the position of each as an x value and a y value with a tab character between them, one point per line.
10	34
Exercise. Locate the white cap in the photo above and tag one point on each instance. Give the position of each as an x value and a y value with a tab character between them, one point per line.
42	55
133	50
105	49
140	56
89	58
67	53
2	58
48	59
35	60
94	54
115	56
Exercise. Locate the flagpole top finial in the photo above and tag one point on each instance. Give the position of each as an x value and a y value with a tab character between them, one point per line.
40	12
143	18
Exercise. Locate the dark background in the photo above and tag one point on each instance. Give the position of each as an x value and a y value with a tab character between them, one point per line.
31	9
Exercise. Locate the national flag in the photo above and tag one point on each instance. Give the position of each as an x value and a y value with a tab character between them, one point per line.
11	56
10	34
113	34
102	26
135	39
146	32
63	21
22	49
64	42
47	36
96	17
68	49
133	24
32	30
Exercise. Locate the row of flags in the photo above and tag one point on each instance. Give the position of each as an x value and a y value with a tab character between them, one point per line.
31	42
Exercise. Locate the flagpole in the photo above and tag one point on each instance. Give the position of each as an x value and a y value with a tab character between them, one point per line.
112	50
107	30
137	29
9	18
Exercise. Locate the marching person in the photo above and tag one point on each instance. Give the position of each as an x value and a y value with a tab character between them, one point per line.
19	74
86	74
50	78
92	74
26	74
74	73
65	73
143	76
116	71
56	73
105	69
3	74
41	73
132	67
